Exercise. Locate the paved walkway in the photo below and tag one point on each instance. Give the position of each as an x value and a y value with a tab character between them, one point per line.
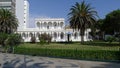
21	61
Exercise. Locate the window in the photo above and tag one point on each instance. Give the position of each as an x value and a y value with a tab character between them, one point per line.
47	27
55	24
62	35
55	35
38	24
61	24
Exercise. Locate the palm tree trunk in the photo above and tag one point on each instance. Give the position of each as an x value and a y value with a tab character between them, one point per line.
82	35
82	38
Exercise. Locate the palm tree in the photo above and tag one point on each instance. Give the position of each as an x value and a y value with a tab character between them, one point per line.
81	17
8	21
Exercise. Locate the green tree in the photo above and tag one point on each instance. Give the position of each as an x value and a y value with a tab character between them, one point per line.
110	39
99	25
81	17
13	40
3	38
97	29
8	21
112	22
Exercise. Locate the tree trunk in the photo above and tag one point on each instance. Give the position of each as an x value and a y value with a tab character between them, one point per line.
103	34
119	37
82	32
82	38
68	37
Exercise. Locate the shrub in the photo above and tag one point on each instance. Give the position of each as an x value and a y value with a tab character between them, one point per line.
9	40
42	42
3	37
110	39
13	40
118	37
45	38
33	39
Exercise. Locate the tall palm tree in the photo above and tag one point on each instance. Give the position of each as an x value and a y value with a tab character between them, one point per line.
8	21
81	17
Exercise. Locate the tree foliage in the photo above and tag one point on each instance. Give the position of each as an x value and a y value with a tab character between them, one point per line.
14	39
97	30
45	38
112	22
3	38
8	41
8	21
33	39
81	17
110	39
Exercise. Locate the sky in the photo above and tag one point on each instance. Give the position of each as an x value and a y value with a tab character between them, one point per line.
61	8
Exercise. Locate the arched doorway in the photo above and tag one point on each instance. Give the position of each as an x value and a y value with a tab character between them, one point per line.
55	35
69	36
62	35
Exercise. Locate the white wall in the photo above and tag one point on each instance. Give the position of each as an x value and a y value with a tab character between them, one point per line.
26	13
27	37
20	13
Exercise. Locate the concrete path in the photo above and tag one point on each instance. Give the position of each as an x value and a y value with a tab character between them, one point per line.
21	61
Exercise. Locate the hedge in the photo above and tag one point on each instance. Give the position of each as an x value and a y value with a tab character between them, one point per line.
72	54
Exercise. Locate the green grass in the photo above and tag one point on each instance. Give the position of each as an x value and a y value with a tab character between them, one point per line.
86	46
87	51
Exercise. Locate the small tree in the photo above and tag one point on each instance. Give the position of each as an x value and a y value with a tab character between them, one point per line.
33	39
13	40
49	38
3	37
110	39
118	37
45	38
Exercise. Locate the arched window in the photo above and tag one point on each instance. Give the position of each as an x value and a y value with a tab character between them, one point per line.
55	35
37	34
38	24
61	24
31	35
55	24
49	25
42	25
24	35
45	24
62	35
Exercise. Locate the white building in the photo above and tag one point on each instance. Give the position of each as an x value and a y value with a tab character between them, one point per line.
26	13
22	13
55	27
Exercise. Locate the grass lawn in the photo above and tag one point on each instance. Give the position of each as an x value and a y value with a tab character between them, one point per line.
87	46
87	51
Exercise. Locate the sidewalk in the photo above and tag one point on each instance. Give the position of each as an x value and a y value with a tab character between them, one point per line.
21	61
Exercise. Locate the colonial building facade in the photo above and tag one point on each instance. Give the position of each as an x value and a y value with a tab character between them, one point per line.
55	27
